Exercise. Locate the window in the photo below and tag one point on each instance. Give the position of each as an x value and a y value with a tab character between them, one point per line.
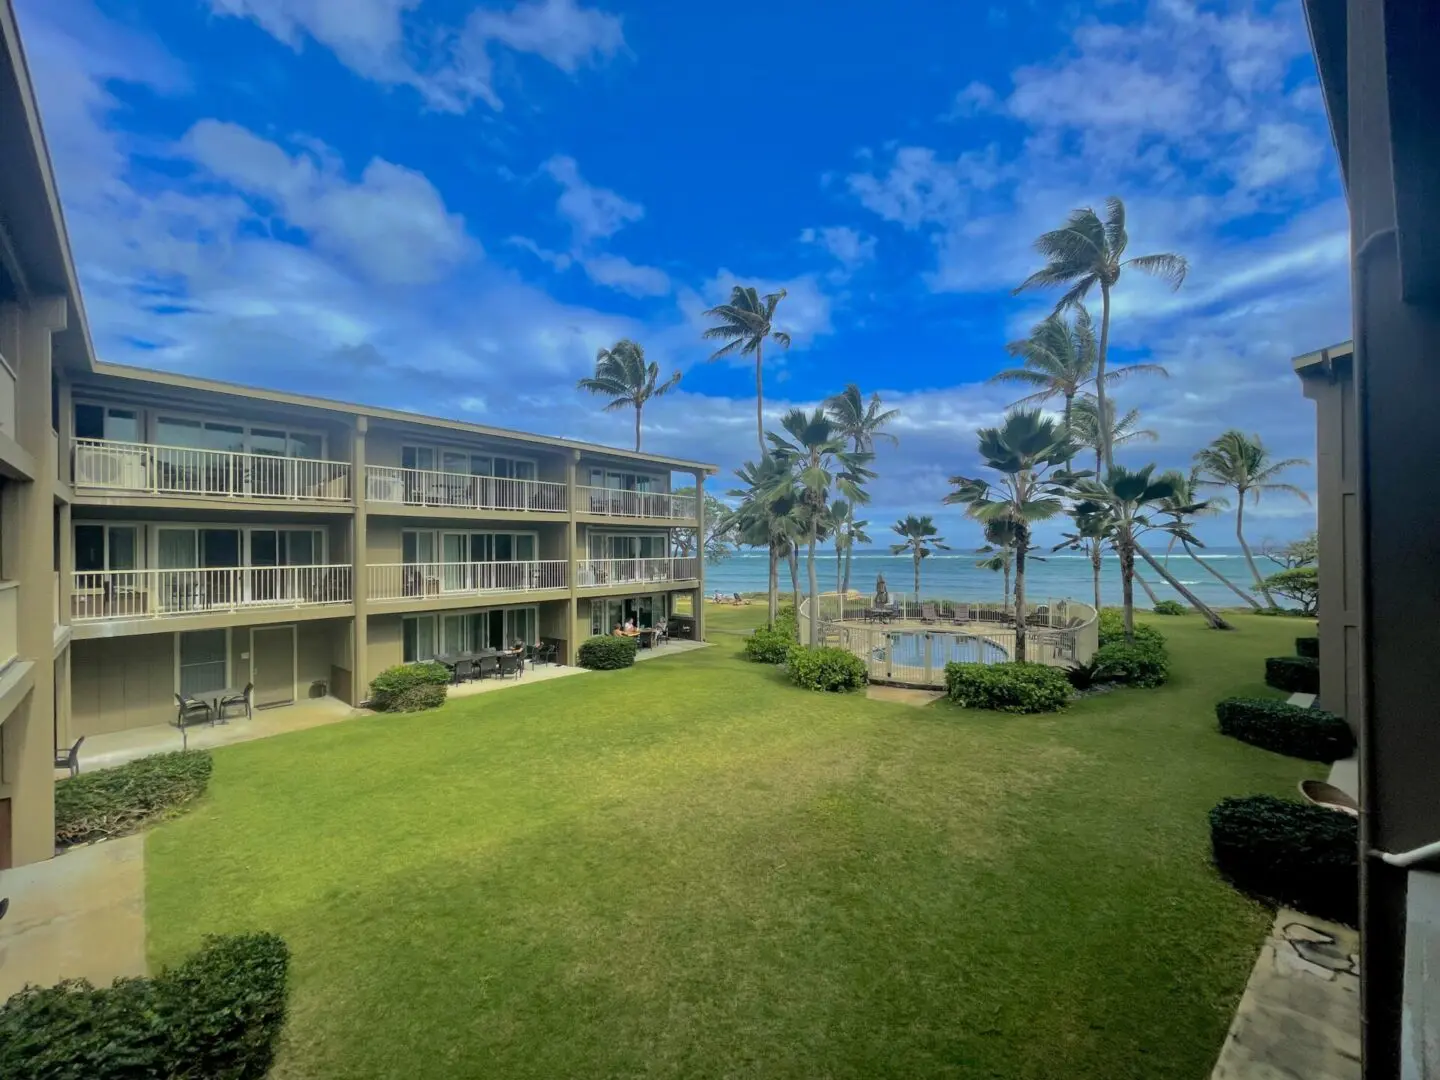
623	481
418	638
203	661
106	547
103	422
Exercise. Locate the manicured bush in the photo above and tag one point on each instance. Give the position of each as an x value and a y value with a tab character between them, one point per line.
387	688
1143	664
766	646
825	668
1312	734
1293	674
1112	629
1168	607
1081	676
1308	646
419	698
217	1015
606	653
787	622
1289	853
113	802
1015	687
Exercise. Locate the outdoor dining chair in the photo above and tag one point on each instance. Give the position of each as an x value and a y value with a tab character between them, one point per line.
239	701
70	759
464	671
510	664
193	709
489	665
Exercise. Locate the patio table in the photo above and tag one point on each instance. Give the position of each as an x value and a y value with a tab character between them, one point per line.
214	697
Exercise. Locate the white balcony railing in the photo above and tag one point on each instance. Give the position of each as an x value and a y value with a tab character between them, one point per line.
149	594
595	573
610	502
427	487
176	470
411	581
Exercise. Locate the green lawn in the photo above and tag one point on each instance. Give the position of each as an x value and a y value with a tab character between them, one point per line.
692	869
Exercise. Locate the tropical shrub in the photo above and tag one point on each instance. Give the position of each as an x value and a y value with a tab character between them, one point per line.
1308	646
1081	676
1300	584
1290	853
787	622
825	667
387	688
766	646
114	802
1168	607
1112	629
217	1015
1143	664
606	653
419	698
1293	674
1312	734
1014	687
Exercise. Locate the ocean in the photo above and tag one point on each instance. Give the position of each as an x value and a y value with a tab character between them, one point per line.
954	576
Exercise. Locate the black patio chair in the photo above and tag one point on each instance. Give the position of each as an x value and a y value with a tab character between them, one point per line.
511	664
241	700
489	665
192	709
70	759
464	671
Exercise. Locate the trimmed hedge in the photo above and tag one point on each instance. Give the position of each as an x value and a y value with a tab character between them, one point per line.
394	689
766	646
1143	664
1289	853
826	668
1168	607
113	802
1308	646
1012	687
787	622
218	1015
1312	734
1112	630
1293	674
419	698
606	653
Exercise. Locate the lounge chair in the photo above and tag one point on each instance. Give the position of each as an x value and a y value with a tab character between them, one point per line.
927	613
70	759
190	709
239	700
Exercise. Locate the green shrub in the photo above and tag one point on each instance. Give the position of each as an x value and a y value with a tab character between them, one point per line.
1168	607
1293	674
387	688
825	668
787	622
1112	629
218	1015
1312	734
419	698
1289	853
113	802
1308	646
1143	664
1081	676
1014	687
768	646
606	653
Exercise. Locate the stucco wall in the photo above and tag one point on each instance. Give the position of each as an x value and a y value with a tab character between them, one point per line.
123	682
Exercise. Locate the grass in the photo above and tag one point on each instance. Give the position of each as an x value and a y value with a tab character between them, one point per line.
692	869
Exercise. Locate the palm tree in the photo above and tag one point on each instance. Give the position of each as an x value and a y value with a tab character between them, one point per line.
622	375
847	532
1086	252
1000	546
1241	462
1186	505
744	324
921	539
1089	537
1059	360
860	422
1028	451
766	517
1087	428
819	461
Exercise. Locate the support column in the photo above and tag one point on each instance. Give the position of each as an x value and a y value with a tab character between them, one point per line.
66	546
572	544
699	601
359	568
66	433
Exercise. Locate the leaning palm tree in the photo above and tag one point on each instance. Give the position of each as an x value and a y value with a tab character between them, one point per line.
1059	361
622	375
1028	451
860	422
817	456
744	324
1087	431
767	517
920	538
847	532
1235	460
1086	252
1182	508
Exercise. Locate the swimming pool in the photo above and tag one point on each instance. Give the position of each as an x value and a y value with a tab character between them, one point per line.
907	649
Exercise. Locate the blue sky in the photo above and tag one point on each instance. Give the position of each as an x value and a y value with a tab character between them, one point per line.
449	207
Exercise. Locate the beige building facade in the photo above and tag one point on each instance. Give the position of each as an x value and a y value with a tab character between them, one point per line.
162	535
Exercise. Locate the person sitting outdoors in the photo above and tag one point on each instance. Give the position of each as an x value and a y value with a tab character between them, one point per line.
629	626
617	632
737	599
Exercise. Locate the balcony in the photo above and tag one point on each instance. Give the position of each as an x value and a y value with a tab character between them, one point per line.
610	502
603	573
414	581
462	491
145	469
158	594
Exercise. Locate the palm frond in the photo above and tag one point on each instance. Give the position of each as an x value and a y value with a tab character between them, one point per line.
1169	268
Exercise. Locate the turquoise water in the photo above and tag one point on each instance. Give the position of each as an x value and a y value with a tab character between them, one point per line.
908	648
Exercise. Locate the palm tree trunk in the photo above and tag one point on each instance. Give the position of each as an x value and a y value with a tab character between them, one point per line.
1249	558
1005	600
1127	589
638	409
1022	541
839	595
845	581
1106	450
1069	400
793	558
760	398
1228	583
814	590
1095	557
916	557
1212	617
773	596
1148	591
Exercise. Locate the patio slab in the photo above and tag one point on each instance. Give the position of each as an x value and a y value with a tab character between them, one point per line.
80	915
540	673
903	695
673	647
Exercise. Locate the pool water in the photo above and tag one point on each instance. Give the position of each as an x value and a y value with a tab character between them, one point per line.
908	649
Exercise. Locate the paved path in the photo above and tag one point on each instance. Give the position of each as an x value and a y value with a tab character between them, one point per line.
80	915
902	695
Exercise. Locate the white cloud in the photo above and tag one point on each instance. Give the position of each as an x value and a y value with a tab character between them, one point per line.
849	247
975	98
1281	152
617	272
558	259
593	212
804	314
561	31
921	188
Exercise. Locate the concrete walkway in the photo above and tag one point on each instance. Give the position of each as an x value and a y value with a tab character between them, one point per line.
537	673
673	647
1299	1018
903	695
80	915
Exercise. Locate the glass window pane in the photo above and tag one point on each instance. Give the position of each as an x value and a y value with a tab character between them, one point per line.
425	637
306	446
202	661
264	548
89	421
269	443
177	549
123	545
122	425
172	432
90	547
300	548
524	547
407	634
456	461
524	470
